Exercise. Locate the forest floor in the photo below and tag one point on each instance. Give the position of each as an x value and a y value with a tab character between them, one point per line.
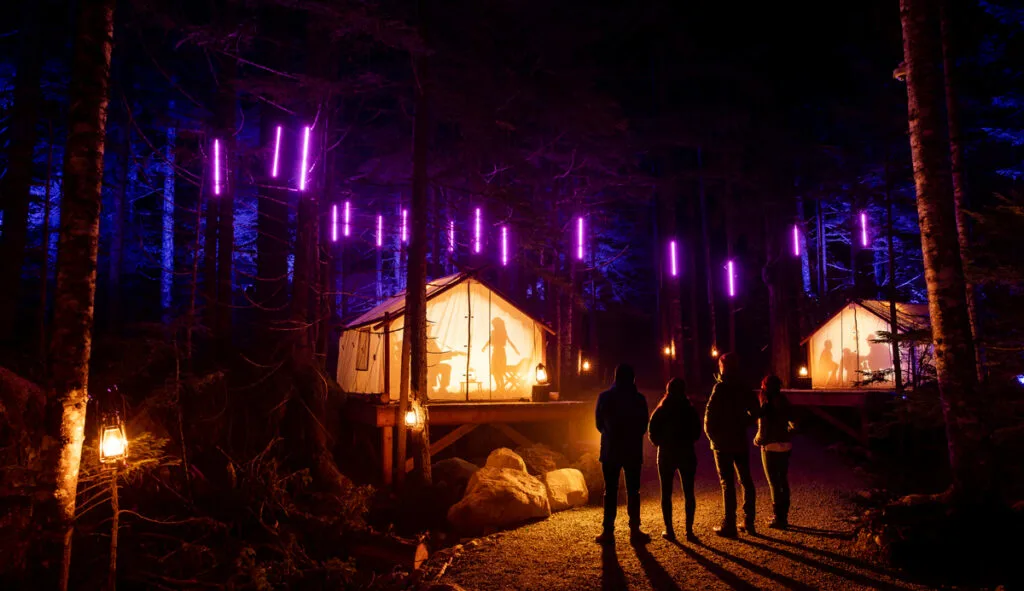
818	552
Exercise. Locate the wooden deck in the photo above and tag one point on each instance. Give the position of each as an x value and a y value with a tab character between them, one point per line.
818	399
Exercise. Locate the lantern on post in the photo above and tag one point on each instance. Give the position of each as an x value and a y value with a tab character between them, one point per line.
714	351
416	416
586	366
113	444
541	391
542	374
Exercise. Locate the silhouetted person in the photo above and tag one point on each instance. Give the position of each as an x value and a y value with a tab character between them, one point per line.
622	420
499	361
675	426
730	411
774	438
828	365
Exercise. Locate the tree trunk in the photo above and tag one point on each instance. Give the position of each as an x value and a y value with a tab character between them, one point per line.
780	274
15	185
272	237
706	242
893	293
79	242
961	400
44	271
957	164
167	226
225	122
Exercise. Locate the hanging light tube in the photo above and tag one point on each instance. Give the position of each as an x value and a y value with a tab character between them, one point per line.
796	240
451	235
405	225
334	222
673	265
732	279
305	159
864	229
579	238
476	232
277	153
348	219
216	167
504	246
380	230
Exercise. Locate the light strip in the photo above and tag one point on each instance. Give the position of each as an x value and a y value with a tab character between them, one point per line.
277	153
796	240
451	235
405	225
579	238
216	167
863	229
672	258
380	230
305	160
476	231
732	279
334	223
348	218
504	246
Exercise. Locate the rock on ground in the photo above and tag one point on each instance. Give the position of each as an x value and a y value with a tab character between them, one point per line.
541	459
498	498
504	457
453	475
590	466
566	489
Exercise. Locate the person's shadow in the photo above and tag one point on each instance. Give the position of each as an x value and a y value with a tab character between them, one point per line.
728	577
656	574
612	576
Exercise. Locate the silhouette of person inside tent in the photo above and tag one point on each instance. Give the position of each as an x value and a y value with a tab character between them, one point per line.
827	366
499	361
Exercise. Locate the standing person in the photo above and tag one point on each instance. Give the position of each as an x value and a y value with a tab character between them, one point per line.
730	411
774	438
675	426
622	420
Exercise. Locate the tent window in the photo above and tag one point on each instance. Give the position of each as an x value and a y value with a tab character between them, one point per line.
363	351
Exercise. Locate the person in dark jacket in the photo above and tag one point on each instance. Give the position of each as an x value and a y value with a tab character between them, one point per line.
730	411
774	435
675	426
622	420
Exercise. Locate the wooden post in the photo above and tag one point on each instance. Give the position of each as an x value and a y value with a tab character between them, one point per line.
387	452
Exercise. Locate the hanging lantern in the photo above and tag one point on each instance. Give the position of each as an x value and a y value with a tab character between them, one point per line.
542	374
586	365
667	350
416	416
113	443
803	371
714	351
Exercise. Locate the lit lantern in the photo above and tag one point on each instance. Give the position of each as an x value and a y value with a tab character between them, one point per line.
579	238
216	167
405	225
277	153
732	278
504	246
334	223
542	374
803	371
348	219
113	441
304	163
476	231
586	365
380	230
864	229
451	235
667	350
714	351
673	265
416	416
796	240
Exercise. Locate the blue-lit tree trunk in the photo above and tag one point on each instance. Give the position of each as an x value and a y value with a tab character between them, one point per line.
167	225
76	266
961	400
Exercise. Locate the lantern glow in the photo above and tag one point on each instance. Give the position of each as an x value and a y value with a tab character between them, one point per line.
803	371
416	416
714	351
586	365
348	219
334	222
863	229
796	240
667	350
579	238
410	418
673	265
405	225
451	235
380	230
732	278
216	167
504	246
476	232
277	153
303	167
542	374
113	444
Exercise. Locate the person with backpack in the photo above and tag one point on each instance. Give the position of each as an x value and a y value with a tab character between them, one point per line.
774	437
674	427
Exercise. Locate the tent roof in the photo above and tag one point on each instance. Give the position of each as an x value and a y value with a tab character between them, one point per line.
395	305
908	316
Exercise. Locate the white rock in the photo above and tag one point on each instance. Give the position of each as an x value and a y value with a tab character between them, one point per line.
566	488
504	457
498	498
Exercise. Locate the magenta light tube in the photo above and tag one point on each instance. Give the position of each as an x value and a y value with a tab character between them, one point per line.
380	230
732	279
796	240
277	153
405	219
579	238
672	258
334	223
476	232
348	218
504	245
451	235
863	229
305	159
216	167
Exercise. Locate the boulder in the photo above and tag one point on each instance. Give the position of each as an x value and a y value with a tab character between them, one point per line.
453	475
566	489
498	498
541	459
590	465
504	457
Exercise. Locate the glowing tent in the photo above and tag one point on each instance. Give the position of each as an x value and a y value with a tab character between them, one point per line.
479	345
845	351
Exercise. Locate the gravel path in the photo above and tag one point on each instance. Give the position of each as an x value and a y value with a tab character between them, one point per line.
817	553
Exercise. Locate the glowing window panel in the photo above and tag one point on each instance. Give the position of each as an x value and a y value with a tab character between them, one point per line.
277	153
504	246
732	279
380	230
476	232
304	164
348	219
863	229
216	167
405	225
334	223
796	240
673	264
579	238
451	235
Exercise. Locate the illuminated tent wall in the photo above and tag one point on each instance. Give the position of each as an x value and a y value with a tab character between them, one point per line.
504	345
843	347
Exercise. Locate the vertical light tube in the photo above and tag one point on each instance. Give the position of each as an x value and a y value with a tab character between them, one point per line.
405	225
476	232
216	167
796	240
334	222
732	279
504	246
277	153
673	265
451	235
304	165
380	230
348	219
579	238
863	229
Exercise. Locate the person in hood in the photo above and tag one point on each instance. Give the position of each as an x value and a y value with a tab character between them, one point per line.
675	426
622	420
730	412
774	436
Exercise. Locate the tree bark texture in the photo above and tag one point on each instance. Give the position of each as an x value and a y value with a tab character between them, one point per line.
272	238
15	185
947	290
79	242
225	130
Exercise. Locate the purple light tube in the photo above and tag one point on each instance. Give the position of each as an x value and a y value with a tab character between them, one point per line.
451	235
277	153
732	279
863	229
216	167
304	168
673	265
348	219
380	230
405	225
579	238
334	222
796	240
476	232
504	246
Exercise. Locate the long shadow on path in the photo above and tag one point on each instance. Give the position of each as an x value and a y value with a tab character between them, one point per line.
847	560
780	578
612	576
727	577
824	566
656	574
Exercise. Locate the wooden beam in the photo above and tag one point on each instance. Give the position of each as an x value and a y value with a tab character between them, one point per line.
512	434
387	454
458	433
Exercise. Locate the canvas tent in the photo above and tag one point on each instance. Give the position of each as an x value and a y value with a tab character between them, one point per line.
479	345
843	349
